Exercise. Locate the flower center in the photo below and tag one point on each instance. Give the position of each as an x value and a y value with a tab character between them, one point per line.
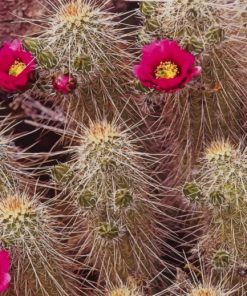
167	70
16	68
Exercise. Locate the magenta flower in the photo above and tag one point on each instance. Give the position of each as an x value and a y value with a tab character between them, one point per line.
165	66
16	66
64	83
4	270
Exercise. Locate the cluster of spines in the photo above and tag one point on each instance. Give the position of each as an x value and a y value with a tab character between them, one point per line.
210	105
86	42
101	174
108	183
220	193
29	231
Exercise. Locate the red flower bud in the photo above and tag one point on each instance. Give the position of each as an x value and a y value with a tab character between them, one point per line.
64	83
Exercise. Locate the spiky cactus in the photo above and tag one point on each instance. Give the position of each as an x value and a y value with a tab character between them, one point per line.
82	41
130	289
124	291
213	103
197	280
29	231
107	180
220	192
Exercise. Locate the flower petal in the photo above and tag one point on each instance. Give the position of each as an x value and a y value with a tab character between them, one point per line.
4	261
7	82
26	58
9	53
4	281
15	45
170	84
7	58
162	51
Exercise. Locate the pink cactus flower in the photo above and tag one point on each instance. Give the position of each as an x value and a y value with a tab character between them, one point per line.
4	270
16	66
165	66
64	83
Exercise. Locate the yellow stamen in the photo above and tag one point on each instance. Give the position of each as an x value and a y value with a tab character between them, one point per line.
17	68
167	70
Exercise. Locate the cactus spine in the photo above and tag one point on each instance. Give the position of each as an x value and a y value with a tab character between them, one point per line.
111	191
211	105
222	185
29	232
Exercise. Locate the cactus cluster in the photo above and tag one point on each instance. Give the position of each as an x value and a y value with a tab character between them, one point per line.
212	105
29	230
123	166
220	192
107	180
84	53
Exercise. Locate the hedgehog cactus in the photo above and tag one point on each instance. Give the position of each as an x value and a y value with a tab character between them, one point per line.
200	282
212	104
128	289
28	231
201	291
87	43
129	131
220	192
223	174
122	292
111	190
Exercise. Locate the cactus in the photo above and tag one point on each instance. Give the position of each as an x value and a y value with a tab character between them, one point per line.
224	173
212	104
222	179
198	281
28	231
122	292
130	288
106	226
111	192
87	42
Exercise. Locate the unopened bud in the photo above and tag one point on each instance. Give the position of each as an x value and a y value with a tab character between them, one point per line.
108	231
61	173
194	45
147	7
83	63
87	199
221	259
123	197
217	198
32	45
64	83
215	35
152	24
46	59
192	192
